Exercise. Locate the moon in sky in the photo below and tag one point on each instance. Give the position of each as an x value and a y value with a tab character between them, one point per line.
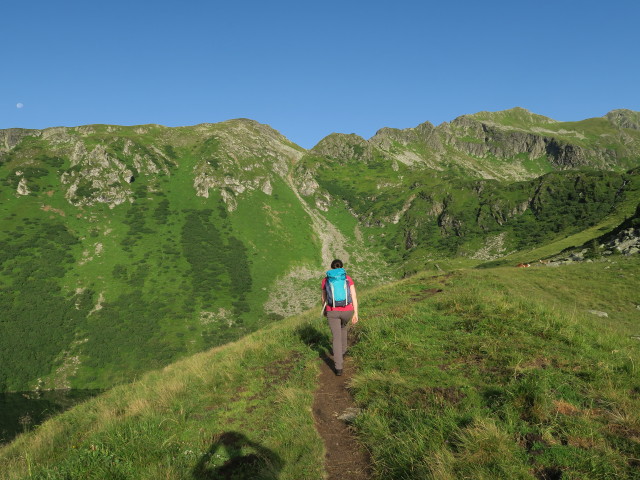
19	105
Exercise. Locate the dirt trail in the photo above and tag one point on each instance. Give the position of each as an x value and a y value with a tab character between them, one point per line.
345	457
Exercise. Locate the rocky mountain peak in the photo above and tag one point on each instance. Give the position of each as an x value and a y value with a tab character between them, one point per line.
241	155
517	117
403	136
343	146
624	118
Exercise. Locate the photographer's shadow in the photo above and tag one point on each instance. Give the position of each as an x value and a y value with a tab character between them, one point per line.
246	460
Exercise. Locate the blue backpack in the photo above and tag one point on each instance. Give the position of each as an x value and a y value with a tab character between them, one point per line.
337	288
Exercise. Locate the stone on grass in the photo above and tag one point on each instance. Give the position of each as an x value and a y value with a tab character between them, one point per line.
349	415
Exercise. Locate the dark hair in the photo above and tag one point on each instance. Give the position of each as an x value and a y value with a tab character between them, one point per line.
337	264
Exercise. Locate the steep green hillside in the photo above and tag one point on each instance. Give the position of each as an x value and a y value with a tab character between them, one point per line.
499	373
124	248
418	216
483	186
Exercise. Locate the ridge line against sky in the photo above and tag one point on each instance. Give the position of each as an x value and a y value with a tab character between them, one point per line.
313	69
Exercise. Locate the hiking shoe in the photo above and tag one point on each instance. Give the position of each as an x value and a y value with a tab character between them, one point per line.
338	372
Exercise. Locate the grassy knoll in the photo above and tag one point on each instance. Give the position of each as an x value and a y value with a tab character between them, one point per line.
486	374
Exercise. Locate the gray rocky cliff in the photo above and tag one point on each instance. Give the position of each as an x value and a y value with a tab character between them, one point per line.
10	137
424	133
481	139
420	145
624	118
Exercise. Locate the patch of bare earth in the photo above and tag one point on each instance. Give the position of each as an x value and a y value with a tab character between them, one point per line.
426	293
345	457
49	208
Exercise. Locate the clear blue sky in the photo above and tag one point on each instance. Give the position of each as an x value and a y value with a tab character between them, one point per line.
312	68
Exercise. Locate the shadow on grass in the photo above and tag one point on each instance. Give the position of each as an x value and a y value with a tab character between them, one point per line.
245	460
317	340
23	411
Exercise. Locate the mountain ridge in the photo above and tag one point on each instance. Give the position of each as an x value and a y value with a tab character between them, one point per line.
622	117
205	233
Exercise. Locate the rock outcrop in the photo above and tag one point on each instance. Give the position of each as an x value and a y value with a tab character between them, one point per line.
342	147
100	178
10	137
242	156
626	242
624	239
624	119
22	187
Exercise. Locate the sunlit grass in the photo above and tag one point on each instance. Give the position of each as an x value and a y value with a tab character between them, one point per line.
504	374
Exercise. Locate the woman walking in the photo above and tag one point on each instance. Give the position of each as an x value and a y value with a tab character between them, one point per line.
341	309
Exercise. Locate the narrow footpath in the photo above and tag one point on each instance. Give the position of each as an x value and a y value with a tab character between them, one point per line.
345	457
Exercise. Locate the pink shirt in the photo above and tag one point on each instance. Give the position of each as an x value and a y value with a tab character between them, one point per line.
349	307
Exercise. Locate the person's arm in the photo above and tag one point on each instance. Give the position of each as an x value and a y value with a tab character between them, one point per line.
354	299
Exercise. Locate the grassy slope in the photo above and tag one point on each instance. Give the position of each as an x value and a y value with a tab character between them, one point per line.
132	261
504	374
284	240
453	215
252	396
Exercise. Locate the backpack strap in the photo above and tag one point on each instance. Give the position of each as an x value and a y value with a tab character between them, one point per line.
333	295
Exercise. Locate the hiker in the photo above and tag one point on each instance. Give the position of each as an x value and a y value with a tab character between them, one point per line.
340	307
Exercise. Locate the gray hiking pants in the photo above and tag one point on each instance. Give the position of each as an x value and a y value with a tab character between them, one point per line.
339	323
